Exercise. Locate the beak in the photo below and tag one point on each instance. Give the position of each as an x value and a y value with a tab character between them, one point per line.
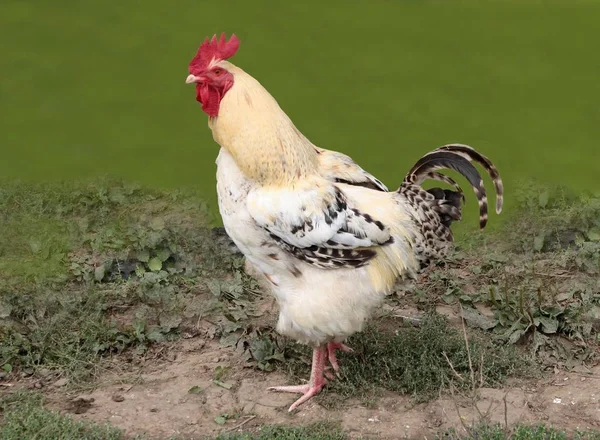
193	79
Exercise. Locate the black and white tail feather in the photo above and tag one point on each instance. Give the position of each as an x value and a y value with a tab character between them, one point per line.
438	208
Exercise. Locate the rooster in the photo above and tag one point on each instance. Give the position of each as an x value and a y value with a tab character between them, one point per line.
329	237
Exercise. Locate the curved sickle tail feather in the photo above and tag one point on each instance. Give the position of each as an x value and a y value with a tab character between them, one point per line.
442	178
473	155
459	158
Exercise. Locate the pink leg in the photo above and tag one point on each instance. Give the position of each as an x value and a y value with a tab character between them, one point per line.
331	349
316	383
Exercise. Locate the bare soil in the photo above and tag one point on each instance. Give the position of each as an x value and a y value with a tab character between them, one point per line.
153	397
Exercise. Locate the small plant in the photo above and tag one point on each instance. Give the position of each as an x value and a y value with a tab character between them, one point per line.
415	360
537	280
484	431
317	431
24	417
91	270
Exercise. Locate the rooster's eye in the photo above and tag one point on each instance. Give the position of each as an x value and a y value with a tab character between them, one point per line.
218	72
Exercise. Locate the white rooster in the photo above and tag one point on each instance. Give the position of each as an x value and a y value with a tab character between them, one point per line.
329	237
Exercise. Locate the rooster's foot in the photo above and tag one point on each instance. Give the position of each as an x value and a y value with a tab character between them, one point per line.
316	383
308	391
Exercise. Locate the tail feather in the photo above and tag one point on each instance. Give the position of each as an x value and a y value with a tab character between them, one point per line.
439	160
459	158
442	178
447	205
473	155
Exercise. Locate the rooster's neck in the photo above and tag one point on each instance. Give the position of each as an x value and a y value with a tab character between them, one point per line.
262	139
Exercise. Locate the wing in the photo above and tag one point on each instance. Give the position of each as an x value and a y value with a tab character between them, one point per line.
318	225
340	168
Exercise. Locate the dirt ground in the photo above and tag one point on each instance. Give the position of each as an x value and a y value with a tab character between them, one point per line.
153	398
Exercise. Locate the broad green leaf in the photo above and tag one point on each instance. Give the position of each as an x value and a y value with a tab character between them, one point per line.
261	349
515	336
5	309
516	330
230	340
215	287
163	254
155	264
140	270
265	366
220	420
196	389
563	296
157	224
549	325
170	321
35	245
449	299
99	273
498	258
466	298
543	200
538	242
594	234
117	196
143	255
155	335
475	319
226	385
221	371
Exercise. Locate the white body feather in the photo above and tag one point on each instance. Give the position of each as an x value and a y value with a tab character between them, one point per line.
316	305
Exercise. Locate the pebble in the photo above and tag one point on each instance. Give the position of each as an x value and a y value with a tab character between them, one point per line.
44	372
61	382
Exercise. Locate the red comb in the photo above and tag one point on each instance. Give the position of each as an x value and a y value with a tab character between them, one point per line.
215	49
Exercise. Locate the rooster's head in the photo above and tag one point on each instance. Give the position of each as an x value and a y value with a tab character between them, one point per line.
211	78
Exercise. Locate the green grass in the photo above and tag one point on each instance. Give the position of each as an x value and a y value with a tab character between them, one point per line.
88	270
535	280
25	417
317	431
88	89
521	432
411	360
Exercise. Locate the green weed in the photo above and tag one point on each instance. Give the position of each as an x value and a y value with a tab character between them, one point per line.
533	281
519	432
88	270
317	431
24	417
419	361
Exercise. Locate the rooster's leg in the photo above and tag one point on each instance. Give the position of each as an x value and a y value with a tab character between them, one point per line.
316	383
331	349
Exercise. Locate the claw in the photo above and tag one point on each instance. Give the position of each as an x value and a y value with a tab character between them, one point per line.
307	391
331	349
317	381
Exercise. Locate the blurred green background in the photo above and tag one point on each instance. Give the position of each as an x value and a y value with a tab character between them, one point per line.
95	88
